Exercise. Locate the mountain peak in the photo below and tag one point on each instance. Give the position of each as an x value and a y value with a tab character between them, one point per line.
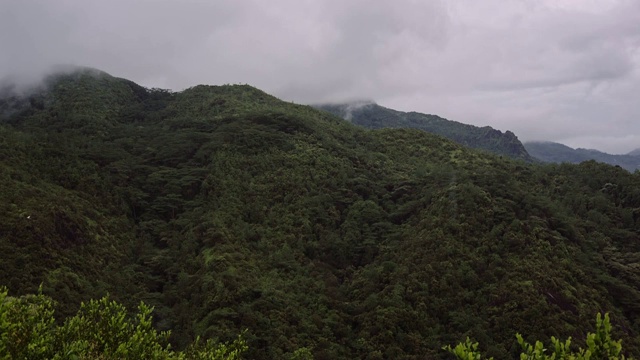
21	84
371	115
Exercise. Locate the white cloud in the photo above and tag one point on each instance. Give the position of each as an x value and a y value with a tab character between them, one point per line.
545	69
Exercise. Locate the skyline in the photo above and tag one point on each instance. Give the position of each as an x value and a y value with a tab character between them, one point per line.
565	70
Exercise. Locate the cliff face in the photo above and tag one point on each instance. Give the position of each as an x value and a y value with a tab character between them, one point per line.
373	116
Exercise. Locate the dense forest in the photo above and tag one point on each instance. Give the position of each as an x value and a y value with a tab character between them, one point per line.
231	212
374	116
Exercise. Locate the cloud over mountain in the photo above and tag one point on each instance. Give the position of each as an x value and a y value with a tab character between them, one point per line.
555	70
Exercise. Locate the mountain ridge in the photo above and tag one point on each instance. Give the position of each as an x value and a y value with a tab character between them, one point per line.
635	152
227	209
549	151
373	116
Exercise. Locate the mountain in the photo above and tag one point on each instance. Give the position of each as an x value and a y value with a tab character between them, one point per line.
555	152
374	116
228	210
635	152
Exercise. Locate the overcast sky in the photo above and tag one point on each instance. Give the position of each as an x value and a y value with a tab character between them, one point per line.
557	70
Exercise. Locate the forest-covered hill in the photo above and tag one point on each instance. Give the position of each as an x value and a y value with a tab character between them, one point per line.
635	152
555	152
227	209
374	116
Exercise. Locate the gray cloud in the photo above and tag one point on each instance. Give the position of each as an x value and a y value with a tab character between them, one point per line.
560	70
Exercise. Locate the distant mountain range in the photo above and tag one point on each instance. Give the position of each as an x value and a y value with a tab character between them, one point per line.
371	115
555	152
635	152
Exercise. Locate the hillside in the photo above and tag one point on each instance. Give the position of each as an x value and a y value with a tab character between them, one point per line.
635	152
559	153
227	209
374	116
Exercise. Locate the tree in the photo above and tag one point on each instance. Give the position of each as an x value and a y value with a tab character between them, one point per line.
600	346
102	329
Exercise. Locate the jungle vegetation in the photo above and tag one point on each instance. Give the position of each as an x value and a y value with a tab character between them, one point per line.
374	116
231	212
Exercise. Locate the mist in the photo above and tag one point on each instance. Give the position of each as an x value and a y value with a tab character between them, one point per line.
564	71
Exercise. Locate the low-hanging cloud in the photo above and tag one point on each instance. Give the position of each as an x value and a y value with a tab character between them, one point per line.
559	70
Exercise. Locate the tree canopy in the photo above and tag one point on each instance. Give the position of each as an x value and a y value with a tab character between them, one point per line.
225	209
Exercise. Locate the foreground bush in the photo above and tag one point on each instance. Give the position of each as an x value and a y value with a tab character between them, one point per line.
600	346
101	329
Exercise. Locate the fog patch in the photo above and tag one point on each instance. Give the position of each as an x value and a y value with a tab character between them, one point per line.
616	145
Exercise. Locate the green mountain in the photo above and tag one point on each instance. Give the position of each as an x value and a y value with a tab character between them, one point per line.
635	152
559	153
227	209
374	116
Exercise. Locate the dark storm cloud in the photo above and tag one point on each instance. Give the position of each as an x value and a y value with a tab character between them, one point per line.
562	70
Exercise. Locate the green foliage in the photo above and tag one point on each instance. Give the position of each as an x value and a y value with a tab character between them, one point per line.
28	329
302	354
374	116
102	329
465	351
226	209
211	350
599	345
4	324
